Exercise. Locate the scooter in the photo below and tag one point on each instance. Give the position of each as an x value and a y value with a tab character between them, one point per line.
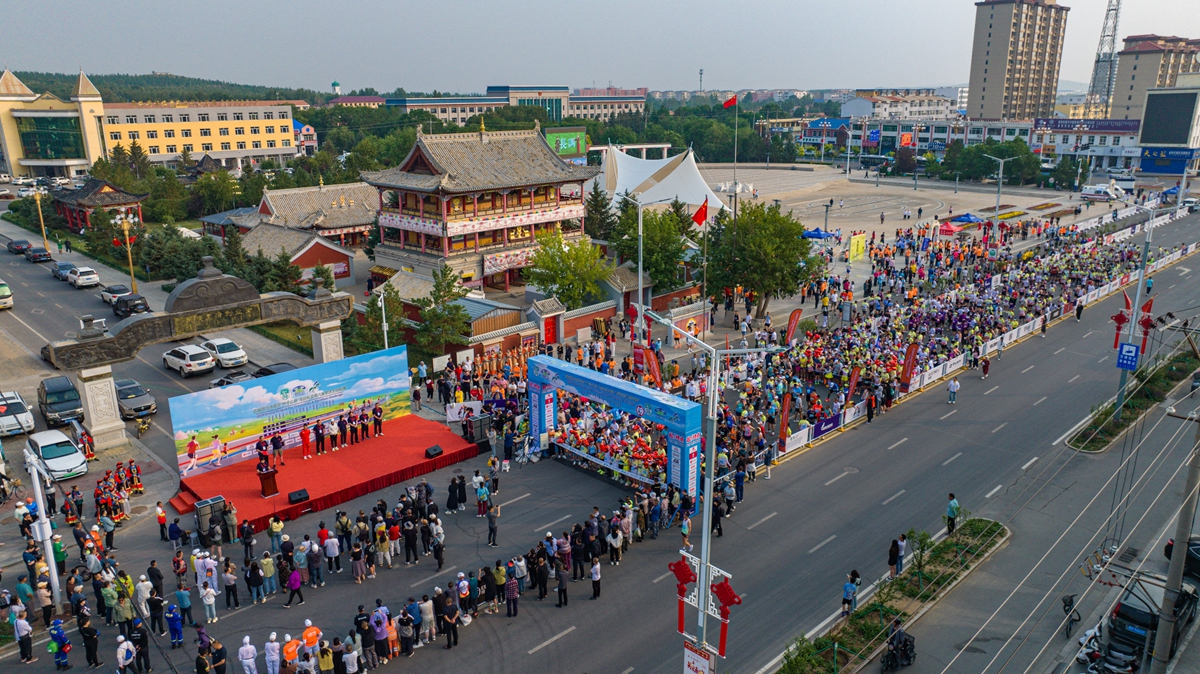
143	425
1116	660
1090	646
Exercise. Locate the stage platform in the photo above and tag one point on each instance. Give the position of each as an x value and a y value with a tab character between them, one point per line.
332	478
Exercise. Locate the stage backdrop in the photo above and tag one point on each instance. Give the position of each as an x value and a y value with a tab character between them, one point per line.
231	419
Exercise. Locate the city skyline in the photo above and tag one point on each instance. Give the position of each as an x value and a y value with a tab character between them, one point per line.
467	56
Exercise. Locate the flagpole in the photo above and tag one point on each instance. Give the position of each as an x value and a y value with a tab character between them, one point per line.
704	279
736	188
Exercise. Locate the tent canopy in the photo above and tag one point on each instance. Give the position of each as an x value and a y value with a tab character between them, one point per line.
817	234
948	229
1173	190
967	217
652	180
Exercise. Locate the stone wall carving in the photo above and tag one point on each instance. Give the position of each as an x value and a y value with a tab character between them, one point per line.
101	396
331	346
210	288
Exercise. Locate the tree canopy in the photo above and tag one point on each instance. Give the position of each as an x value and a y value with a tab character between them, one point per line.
571	271
443	321
662	245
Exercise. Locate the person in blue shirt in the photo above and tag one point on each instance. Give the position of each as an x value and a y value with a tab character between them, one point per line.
183	597
175	625
849	593
951	515
58	636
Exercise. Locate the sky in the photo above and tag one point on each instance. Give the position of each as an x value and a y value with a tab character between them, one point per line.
464	46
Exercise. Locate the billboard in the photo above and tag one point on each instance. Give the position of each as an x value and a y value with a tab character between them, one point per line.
568	142
220	426
1169	117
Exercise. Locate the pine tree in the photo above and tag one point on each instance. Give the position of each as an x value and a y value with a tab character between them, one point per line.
442	320
235	254
599	220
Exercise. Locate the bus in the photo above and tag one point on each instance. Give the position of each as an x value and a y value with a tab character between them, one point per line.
868	160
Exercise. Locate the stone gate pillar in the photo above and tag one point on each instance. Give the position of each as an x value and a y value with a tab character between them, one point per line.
103	420
327	341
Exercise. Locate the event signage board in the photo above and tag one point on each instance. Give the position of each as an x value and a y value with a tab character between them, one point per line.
696	660
823	426
680	418
229	420
568	142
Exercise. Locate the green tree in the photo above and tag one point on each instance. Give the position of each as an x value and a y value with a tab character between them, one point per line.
762	250
370	334
906	161
185	158
217	192
678	213
443	321
119	156
599	221
235	253
139	161
1064	174
253	184
662	246
570	271
325	274
372	240
284	276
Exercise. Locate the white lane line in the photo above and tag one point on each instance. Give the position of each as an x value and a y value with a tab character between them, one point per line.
894	496
1089	332
429	578
762	520
1184	271
663	576
1072	379
1000	426
993	492
1172	286
515	499
58	305
948	414
991	389
29	327
551	640
822	544
1072	430
39	294
947	461
547	526
1029	463
1040	401
1102	360
897	444
1028	369
1059	351
627	671
844	474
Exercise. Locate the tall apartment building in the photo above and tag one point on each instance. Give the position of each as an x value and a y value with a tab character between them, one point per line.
1015	58
1150	62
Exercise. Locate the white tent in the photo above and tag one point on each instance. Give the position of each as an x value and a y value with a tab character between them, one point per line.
651	180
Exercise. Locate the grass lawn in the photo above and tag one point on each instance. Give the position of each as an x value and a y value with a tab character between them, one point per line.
289	334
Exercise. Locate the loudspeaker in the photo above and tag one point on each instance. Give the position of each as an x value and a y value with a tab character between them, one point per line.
433	452
298	497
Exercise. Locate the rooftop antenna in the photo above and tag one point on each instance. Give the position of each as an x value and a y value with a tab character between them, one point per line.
702	80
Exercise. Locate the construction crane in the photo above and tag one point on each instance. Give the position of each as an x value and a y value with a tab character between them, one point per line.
1104	72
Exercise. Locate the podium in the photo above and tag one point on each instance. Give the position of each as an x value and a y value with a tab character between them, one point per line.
266	479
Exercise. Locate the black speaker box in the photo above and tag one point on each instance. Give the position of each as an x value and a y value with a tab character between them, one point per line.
433	452
298	496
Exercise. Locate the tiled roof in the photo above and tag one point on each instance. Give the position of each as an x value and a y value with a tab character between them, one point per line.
483	160
270	239
97	193
548	306
624	278
11	86
323	206
84	88
409	285
207	165
227	217
146	105
477	308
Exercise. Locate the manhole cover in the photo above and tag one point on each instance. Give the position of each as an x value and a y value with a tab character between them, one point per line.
458	470
8	520
138	510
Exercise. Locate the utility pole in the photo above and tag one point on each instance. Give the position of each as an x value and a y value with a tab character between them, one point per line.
1183	530
1137	307
999	184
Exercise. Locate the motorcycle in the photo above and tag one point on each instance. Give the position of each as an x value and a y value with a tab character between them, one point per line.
1115	660
896	657
143	425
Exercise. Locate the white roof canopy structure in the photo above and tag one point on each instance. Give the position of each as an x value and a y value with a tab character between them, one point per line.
650	180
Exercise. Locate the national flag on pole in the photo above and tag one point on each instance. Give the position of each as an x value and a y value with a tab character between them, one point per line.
731	102
701	214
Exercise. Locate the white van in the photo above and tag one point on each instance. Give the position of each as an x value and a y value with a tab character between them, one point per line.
1096	193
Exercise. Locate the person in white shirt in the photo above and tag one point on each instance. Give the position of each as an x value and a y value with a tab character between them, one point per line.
272	652
24	633
125	656
247	654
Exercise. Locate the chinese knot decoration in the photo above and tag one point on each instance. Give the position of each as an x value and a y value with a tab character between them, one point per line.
727	597
683	576
1120	319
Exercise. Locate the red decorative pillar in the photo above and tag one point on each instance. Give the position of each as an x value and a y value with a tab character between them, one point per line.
683	577
139	207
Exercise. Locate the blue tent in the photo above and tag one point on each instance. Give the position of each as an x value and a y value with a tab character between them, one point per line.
818	234
1173	190
967	217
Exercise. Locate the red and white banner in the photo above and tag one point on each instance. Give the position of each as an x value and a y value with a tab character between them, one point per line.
793	322
910	364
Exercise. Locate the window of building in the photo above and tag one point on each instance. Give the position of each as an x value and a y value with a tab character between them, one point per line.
114	135
224	146
151	134
153	149
287	143
271	129
257	145
187	147
185	118
1091	140
283	114
237	116
222	117
171	149
241	145
270	143
224	131
269	115
134	135
239	131
254	115
1116	140
186	133
205	132
1104	140
131	119
169	133
112	119
206	147
168	119
149	119
202	117
254	131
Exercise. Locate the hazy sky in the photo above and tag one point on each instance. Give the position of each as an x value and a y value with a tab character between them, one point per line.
456	45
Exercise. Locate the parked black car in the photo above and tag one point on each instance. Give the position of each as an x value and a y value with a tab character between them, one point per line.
1135	618
273	369
128	305
1191	564
19	246
59	401
37	254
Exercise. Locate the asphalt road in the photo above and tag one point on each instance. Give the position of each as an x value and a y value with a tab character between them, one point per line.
788	546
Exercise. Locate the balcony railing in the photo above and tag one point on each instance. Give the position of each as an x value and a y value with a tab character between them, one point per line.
469	214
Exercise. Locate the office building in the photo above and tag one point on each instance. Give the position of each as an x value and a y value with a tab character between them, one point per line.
960	95
235	133
1015	58
1149	62
43	135
558	102
904	106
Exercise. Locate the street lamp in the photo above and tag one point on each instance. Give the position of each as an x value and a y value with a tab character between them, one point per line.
1079	129
917	129
849	137
824	126
641	291
125	220
999	183
37	198
1137	302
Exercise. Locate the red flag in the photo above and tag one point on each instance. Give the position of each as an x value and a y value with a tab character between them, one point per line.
731	102
651	359
1128	302
701	214
1148	306
910	365
853	382
793	322
783	415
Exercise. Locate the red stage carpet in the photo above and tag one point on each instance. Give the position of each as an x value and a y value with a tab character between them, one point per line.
333	478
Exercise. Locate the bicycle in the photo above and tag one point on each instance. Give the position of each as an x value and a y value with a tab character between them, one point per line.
12	488
1073	616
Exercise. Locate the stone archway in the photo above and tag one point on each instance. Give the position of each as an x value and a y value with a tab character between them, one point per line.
210	302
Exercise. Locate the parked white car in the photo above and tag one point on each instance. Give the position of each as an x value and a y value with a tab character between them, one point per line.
26	192
226	352
5	178
188	360
83	277
15	417
62	457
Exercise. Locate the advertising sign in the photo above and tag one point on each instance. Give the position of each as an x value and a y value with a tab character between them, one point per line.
906	140
858	246
825	425
651	360
1127	356
910	364
696	660
220	426
793	322
783	414
568	142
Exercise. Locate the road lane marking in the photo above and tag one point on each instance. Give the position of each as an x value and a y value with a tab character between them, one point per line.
1040	401
762	520
1102	360
39	294
663	576
551	640
894	496
993	492
1089	332
947	461
1172	286
58	305
948	414
822	544
1000	426
28	327
429	578
1072	430
897	444
1072	379
627	671
1029	463
991	389
1184	271
547	526
1059	351
1028	369
515	499
844	474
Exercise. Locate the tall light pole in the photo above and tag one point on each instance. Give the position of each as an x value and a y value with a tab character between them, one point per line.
849	137
1137	304
917	129
40	529
37	198
641	292
999	184
125	220
824	126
